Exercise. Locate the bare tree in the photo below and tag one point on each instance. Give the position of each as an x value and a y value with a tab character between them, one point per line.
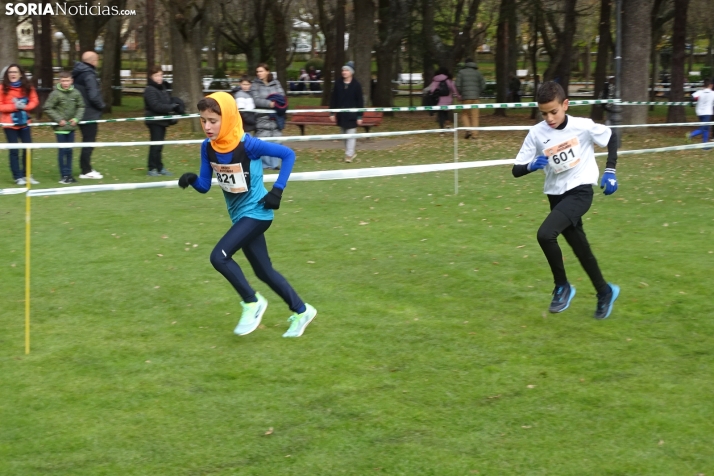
8	37
636	44
662	13
603	54
364	42
506	15
281	12
240	23
88	27
150	37
393	16
676	88
186	21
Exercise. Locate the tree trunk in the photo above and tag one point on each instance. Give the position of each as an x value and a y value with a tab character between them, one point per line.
636	44
562	70
185	26
392	16
44	69
502	50
428	47
109	59
149	38
8	37
679	39
339	37
327	25
513	42
364	41
603	51
282	42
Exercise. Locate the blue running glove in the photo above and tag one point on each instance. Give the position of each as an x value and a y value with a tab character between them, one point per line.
609	182
538	163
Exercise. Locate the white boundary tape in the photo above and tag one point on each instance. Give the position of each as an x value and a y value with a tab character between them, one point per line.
371	172
505	105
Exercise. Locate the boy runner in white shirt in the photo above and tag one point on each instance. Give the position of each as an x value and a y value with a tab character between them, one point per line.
562	145
704	110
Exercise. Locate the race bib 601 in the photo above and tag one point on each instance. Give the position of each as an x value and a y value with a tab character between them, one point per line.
564	156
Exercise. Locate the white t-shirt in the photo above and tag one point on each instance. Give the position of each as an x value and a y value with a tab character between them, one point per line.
570	152
705	102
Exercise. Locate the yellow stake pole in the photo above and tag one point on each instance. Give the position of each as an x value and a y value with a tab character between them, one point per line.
27	252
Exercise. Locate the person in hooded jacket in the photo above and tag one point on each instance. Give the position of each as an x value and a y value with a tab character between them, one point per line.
442	75
17	98
85	80
266	125
471	85
158	102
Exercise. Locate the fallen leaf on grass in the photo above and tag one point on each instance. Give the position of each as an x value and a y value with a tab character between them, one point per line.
531	386
159	255
270	432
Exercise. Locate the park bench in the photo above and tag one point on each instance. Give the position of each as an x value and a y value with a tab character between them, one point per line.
302	119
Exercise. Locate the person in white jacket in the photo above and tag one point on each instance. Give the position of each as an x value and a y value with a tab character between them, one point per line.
705	109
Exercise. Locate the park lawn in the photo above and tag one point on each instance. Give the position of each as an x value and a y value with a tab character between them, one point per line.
432	352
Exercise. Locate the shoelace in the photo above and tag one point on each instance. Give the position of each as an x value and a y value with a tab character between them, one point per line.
293	318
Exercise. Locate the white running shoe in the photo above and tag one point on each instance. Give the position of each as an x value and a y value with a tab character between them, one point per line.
252	314
298	322
33	181
92	175
21	181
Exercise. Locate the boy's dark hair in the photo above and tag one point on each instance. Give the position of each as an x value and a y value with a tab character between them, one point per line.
244	78
155	69
64	74
550	91
209	104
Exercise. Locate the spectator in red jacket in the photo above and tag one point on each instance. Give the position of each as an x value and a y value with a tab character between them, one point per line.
17	99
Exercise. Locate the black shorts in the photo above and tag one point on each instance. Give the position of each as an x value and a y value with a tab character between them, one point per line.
574	203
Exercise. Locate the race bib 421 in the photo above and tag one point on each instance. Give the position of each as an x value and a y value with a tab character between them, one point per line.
230	177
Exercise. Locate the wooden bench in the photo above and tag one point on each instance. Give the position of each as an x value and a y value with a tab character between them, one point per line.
302	119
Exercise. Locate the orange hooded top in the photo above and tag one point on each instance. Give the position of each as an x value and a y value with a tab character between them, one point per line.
231	131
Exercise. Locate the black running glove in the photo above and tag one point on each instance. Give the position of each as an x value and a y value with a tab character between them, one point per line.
271	200
187	179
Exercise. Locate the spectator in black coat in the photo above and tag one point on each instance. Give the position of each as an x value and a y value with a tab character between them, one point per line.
85	80
347	93
158	102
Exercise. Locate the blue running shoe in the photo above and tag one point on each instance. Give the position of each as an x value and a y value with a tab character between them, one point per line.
298	322
605	302
562	295
251	316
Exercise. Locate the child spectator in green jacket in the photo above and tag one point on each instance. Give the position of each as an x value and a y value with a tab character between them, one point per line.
64	106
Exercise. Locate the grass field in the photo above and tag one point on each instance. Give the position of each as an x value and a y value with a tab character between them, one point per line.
432	352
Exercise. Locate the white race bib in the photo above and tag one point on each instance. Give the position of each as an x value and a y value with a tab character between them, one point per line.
564	156
230	177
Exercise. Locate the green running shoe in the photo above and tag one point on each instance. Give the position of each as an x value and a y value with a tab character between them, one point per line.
298	322
252	314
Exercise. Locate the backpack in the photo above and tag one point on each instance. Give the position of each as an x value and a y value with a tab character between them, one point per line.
441	90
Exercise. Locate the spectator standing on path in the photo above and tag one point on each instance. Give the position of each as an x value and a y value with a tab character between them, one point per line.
705	105
17	98
514	86
158	102
445	93
347	93
265	124
64	106
470	84
244	101
85	80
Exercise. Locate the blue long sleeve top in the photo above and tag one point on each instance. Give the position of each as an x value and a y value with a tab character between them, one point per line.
246	204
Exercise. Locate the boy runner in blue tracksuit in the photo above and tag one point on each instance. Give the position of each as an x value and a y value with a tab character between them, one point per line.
235	158
562	145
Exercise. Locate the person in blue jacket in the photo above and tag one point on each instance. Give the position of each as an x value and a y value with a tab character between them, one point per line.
234	157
